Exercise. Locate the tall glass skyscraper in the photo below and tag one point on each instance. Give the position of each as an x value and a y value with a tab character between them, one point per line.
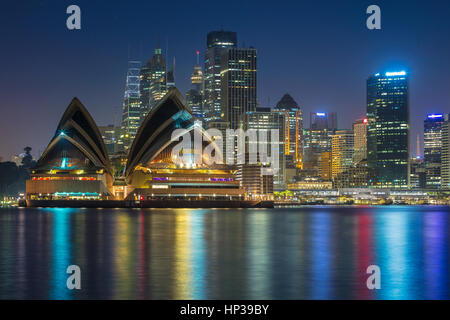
388	129
432	143
445	168
238	81
217	43
194	95
131	115
153	81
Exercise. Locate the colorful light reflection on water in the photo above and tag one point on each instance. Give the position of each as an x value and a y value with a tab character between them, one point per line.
284	253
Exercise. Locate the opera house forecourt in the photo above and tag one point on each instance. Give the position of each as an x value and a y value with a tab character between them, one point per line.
75	169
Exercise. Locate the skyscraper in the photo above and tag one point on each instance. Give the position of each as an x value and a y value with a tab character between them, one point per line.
110	135
323	120
266	120
360	140
316	143
445	168
217	42
194	99
293	116
432	143
153	81
238	81
132	111
341	151
388	129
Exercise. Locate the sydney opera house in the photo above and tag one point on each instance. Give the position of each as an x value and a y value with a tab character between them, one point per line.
76	166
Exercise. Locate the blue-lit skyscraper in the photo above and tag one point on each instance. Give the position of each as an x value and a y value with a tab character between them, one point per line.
388	129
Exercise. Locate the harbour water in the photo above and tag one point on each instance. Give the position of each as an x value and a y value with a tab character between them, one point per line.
282	253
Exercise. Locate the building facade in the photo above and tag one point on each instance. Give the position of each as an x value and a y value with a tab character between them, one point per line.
341	151
323	120
110	135
388	129
266	120
359	140
293	129
217	42
132	109
153	82
445	168
194	96
238	81
432	146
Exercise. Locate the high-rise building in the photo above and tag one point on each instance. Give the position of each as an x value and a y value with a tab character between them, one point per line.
326	166
359	140
194	102
256	185
265	120
132	110
110	135
353	177
316	142
388	129
293	138
432	144
445	168
217	42
323	120
197	76
153	81
194	99
417	173
341	151
238	80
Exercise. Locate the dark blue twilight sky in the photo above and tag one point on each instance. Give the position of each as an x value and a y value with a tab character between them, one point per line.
318	51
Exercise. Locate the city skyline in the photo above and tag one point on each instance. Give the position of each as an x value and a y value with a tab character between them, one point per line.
103	92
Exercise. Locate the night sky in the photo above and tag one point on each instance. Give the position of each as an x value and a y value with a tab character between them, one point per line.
318	51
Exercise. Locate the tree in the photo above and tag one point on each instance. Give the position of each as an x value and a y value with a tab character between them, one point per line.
27	160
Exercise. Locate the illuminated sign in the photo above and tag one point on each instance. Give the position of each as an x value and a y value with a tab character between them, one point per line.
321	114
434	116
365	121
393	74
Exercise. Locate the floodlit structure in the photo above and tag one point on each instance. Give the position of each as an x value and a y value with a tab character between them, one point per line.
75	165
152	173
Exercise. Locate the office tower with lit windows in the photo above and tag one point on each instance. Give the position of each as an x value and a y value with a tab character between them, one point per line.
153	81
110	135
326	168
132	110
417	173
388	130
323	120
266	120
316	143
445	160
432	144
194	99
217	42
341	151
359	140
238	81
293	129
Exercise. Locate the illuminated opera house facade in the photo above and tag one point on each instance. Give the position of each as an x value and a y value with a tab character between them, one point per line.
76	165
